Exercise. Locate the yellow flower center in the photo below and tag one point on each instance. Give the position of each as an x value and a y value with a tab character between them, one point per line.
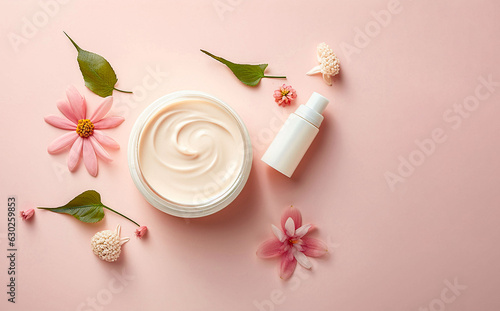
284	92
85	128
294	241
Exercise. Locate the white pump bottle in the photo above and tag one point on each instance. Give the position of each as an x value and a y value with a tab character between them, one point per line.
296	135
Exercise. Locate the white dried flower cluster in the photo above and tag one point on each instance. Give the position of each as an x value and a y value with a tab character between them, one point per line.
329	63
107	244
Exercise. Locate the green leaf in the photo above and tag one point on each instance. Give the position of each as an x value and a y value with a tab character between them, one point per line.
86	207
248	74
98	74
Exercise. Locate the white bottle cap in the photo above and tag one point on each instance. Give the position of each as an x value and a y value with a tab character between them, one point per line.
296	135
317	103
313	109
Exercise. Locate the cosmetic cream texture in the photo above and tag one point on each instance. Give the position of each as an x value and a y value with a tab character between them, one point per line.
191	151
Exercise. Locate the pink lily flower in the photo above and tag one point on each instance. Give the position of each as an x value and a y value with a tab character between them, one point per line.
141	231
291	244
85	137
27	214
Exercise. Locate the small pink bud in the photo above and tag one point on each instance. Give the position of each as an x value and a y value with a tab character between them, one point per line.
141	231
27	214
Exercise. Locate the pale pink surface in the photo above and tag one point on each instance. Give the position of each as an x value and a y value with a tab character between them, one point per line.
389	250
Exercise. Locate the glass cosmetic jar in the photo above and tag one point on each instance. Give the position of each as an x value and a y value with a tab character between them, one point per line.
189	154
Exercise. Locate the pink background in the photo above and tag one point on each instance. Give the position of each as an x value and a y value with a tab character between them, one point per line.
390	248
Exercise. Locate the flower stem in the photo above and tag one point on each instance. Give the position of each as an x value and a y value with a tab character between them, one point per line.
121	215
121	90
275	77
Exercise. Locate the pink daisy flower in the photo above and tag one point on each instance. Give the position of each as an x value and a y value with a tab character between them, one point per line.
85	137
284	95
291	244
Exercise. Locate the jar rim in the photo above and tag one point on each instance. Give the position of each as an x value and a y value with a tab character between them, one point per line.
171	207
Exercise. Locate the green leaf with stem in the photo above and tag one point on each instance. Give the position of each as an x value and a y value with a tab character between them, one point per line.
86	207
97	72
248	74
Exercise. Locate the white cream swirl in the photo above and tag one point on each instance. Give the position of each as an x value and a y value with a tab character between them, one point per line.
191	151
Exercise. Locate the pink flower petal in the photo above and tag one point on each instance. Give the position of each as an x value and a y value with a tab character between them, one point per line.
302	260
99	150
295	214
77	102
270	248
105	140
59	122
108	123
313	247
102	110
278	233
75	153
290	227
89	157
66	110
287	266
27	214
300	232
277	95
141	231
62	142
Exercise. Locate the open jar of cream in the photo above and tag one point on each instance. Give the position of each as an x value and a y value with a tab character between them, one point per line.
189	154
